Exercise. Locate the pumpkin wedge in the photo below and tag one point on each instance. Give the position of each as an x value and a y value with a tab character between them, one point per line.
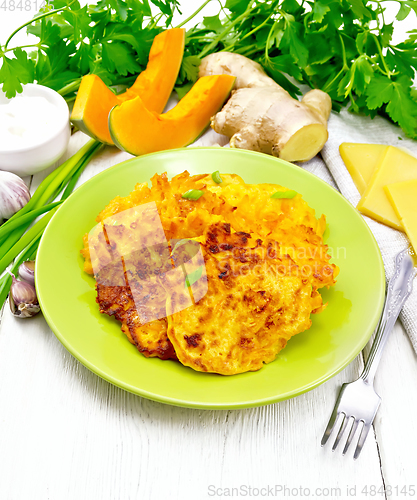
137	130
95	100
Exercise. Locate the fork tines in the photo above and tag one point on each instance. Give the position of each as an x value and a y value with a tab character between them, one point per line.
346	421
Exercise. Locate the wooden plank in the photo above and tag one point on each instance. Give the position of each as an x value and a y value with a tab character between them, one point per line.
76	436
395	426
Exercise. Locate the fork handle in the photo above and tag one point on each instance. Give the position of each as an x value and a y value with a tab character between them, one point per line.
399	289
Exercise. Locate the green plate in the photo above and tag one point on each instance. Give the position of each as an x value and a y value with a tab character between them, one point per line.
67	294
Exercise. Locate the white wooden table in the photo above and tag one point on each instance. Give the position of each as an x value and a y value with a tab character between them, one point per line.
67	434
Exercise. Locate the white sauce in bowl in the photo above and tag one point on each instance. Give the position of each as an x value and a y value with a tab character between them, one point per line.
27	121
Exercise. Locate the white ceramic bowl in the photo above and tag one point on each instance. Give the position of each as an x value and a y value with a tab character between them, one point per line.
29	160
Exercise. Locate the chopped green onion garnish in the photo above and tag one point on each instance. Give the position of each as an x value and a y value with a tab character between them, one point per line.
284	194
180	243
216	177
193	277
193	194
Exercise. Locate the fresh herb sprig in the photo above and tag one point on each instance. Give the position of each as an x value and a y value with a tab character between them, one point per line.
111	39
342	47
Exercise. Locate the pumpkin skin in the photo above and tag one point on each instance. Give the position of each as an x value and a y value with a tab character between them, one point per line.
95	100
137	130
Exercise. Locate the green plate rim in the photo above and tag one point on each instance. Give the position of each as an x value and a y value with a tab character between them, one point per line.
195	404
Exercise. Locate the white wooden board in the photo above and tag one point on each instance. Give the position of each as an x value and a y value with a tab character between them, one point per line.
67	434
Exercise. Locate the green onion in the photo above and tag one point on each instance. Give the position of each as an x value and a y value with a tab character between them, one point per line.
51	184
216	177
27	218
284	194
31	204
180	243
35	231
29	253
193	277
193	194
67	172
14	239
84	162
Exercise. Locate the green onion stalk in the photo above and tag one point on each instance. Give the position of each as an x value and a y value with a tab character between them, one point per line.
18	240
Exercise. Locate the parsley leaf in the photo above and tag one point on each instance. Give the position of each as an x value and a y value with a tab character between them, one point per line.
363	73
319	11
386	33
236	6
183	90
403	109
359	9
15	72
119	57
213	23
403	11
120	8
189	69
401	106
9	79
82	59
98	69
286	64
293	41
379	91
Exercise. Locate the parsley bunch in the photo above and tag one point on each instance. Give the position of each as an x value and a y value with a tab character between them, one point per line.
111	39
342	47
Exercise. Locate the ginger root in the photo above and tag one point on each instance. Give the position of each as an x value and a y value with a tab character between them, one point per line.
260	115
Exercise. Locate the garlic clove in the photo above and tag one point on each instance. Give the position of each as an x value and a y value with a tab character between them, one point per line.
23	300
27	271
14	194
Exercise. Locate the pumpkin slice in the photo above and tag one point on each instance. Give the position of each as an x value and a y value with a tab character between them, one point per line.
138	131
91	108
95	100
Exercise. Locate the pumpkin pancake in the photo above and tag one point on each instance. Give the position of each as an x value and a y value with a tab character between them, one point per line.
232	304
150	338
256	301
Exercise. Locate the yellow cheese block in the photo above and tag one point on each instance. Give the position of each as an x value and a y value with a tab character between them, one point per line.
410	226
403	197
361	161
395	166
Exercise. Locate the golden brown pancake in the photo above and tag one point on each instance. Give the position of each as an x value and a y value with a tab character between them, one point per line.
150	339
255	303
270	307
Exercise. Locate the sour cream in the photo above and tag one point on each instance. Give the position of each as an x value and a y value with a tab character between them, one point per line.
26	121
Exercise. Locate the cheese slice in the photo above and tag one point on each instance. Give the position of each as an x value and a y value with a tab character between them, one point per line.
361	161
403	197
396	166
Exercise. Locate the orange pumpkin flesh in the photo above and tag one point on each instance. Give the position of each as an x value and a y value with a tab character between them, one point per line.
138	131
91	108
155	85
95	100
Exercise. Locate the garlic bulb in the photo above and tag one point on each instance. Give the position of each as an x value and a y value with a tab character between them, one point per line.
27	271
23	300
14	194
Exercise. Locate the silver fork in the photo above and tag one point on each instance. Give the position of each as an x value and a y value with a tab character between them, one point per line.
358	401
